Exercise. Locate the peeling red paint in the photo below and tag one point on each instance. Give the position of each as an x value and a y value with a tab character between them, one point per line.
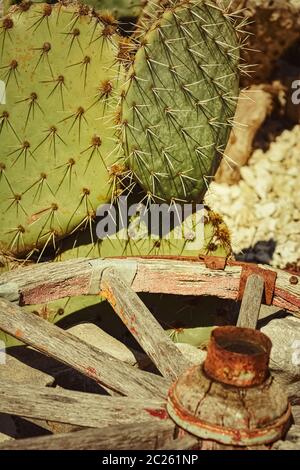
134	332
91	372
55	290
288	298
160	414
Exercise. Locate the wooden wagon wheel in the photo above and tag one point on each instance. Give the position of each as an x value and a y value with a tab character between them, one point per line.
135	416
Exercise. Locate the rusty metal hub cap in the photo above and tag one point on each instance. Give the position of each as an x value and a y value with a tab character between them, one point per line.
232	398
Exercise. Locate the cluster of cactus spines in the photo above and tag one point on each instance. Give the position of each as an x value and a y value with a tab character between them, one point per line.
179	100
152	10
58	149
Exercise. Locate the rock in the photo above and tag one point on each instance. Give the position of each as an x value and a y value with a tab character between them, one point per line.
248	176
261	252
265	210
191	353
264	204
24	365
97	337
253	107
285	354
263	184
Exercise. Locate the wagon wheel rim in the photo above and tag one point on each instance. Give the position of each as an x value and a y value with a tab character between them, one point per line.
160	432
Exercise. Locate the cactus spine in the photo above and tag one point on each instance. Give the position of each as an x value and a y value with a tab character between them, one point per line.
179	100
58	148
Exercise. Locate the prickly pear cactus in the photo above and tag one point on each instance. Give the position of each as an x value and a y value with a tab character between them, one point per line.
153	9
179	100
60	75
119	8
203	233
4	6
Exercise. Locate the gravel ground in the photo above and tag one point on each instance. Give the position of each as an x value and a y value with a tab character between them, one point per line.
263	209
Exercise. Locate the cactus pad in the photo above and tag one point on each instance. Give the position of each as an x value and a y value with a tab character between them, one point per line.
214	240
119	8
179	100
57	144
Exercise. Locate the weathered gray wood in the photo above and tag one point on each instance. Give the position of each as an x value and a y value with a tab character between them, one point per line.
66	348
142	325
251	303
156	435
46	282
77	408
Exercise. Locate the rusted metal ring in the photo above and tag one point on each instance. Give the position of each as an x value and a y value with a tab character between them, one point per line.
238	356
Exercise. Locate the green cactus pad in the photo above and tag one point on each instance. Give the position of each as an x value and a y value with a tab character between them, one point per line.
179	101
119	8
198	337
152	10
57	137
213	240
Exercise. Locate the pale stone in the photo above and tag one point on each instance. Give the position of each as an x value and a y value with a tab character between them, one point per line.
266	199
285	354
97	337
248	176
263	184
16	367
265	210
191	353
277	154
252	109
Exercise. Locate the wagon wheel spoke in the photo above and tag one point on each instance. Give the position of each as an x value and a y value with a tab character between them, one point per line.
77	408
90	361
158	434
143	326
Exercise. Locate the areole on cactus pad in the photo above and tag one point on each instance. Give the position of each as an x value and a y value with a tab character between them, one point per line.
179	100
57	139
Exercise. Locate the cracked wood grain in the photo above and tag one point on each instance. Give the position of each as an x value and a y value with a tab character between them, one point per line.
181	276
142	325
251	303
90	361
77	408
157	435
